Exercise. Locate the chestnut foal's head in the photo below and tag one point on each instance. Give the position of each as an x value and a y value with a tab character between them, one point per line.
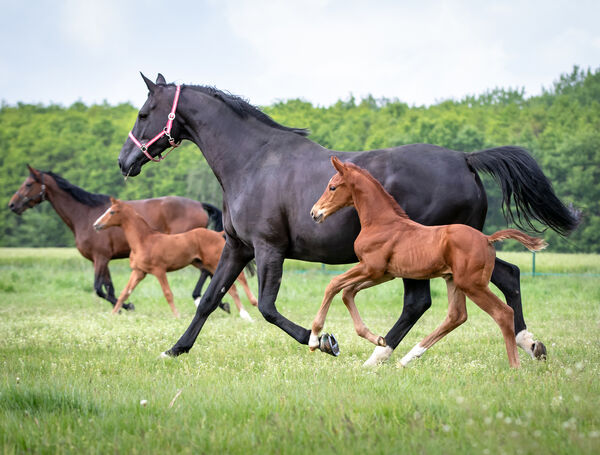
337	195
112	217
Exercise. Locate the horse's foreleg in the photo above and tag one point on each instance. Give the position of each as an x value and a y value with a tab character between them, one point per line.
354	276
485	299
417	300
164	284
457	315
348	296
269	263
135	277
232	262
506	277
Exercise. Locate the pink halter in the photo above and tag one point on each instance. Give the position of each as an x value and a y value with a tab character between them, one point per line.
166	131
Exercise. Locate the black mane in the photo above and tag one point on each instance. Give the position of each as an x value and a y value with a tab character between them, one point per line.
79	194
244	109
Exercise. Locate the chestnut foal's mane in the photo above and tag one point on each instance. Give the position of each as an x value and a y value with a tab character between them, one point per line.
392	202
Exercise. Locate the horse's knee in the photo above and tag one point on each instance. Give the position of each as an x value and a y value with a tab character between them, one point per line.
458	317
269	313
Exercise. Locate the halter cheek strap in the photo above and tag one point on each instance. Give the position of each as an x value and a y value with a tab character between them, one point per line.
166	131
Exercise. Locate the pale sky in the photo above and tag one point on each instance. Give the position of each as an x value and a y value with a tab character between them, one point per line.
419	52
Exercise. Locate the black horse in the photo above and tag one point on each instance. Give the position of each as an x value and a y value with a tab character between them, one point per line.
271	176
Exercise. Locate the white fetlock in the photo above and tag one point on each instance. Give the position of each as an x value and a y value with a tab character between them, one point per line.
313	341
526	342
380	355
164	355
245	315
197	301
416	352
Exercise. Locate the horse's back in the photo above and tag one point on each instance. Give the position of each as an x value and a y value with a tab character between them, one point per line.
172	214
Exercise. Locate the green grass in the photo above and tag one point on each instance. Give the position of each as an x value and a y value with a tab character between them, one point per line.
72	376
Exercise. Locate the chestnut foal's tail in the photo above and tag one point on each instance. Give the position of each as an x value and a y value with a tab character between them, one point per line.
531	243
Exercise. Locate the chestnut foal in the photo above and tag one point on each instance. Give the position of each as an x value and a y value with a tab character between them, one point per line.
157	253
391	245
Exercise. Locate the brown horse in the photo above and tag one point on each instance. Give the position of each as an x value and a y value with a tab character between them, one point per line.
391	245
79	208
157	253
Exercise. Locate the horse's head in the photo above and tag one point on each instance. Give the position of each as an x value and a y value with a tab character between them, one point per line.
31	192
337	194
155	129
112	217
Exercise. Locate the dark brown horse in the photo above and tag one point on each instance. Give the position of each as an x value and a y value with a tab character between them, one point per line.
391	245
79	208
157	253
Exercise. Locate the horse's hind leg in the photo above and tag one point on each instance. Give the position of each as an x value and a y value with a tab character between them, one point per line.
417	300
506	277
204	274
501	313
238	303
457	315
244	283
135	277
348	295
164	284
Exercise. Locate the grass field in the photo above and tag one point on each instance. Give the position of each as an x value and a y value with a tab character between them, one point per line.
72	376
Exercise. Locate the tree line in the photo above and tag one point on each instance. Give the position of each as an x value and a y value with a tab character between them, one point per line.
560	127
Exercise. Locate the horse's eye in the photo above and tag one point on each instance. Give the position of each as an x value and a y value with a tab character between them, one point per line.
332	188
143	115
28	185
112	212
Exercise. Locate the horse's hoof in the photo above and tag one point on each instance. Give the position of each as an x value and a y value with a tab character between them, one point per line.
225	307
329	345
129	306
539	351
381	342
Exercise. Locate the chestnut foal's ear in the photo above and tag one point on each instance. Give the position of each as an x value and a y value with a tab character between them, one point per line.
160	79
338	165
34	173
113	201
151	85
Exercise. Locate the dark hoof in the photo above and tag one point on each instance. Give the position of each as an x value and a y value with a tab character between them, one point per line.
381	342
129	306
539	351
329	345
225	307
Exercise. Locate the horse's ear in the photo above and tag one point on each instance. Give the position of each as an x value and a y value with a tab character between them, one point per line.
338	165
34	173
160	79
113	200
151	85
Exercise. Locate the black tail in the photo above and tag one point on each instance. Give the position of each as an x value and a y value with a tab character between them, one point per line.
523	181
215	216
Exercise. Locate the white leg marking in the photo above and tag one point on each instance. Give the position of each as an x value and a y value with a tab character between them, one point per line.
244	315
313	341
197	301
525	341
415	352
380	355
164	355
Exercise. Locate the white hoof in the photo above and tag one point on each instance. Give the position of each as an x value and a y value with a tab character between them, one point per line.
526	342
380	355
416	352
197	301
245	316
164	355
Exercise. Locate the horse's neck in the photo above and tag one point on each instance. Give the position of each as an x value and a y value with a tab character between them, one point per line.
229	143
373	204
68	208
136	229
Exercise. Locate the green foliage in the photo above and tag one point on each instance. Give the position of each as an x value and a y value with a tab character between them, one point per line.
560	128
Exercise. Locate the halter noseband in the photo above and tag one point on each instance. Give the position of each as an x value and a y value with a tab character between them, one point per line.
166	131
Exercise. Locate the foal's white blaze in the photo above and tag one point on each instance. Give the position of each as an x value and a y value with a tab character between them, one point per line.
380	355
245	315
525	341
415	352
101	216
